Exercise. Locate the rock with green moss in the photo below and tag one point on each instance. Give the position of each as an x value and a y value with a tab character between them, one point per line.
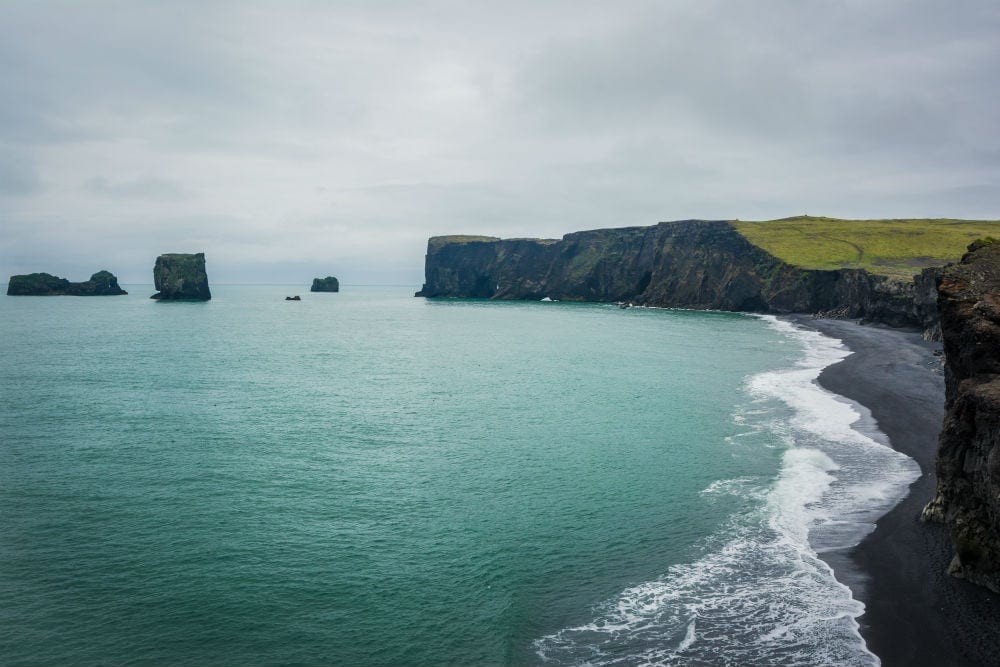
328	284
102	283
181	276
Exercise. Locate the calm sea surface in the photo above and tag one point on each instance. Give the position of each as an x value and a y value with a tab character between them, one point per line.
370	478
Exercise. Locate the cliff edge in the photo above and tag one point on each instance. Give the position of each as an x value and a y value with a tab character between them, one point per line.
702	264
180	276
968	464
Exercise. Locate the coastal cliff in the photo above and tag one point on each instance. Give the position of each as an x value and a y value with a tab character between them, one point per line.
685	264
181	277
968	464
102	283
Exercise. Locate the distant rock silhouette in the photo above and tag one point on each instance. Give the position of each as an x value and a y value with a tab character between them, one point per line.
328	284
102	283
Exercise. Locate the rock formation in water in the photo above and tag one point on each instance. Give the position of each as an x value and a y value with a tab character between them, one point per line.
328	284
686	264
968	465
180	276
102	283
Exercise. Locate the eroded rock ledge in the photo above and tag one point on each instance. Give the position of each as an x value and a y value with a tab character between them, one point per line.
102	283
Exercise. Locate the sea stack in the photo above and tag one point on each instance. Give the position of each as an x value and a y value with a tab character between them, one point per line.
102	283
328	284
968	464
181	277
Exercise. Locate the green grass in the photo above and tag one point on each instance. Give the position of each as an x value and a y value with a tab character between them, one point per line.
464	238
897	248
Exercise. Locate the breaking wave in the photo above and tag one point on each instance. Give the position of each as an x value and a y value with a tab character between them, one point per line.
761	594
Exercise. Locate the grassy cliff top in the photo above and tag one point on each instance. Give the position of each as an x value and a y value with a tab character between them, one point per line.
436	242
897	248
464	238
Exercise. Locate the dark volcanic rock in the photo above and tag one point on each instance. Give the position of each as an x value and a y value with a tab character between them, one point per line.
102	283
180	276
37	284
968	465
687	264
328	284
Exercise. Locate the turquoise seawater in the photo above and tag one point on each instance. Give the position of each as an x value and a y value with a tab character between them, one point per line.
374	479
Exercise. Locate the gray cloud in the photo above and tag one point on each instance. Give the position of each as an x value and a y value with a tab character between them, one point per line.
139	188
18	174
289	137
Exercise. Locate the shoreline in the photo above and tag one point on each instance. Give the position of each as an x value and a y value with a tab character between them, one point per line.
915	613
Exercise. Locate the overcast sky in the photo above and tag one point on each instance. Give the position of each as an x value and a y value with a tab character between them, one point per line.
288	140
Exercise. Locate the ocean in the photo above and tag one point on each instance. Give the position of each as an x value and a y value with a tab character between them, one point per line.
374	479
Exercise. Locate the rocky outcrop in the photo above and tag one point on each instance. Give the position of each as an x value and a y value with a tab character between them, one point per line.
180	276
328	284
687	264
102	283
968	465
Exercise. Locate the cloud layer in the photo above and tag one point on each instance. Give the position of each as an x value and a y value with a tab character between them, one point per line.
294	139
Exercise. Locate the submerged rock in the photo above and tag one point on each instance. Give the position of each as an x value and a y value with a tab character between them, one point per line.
180	276
102	283
968	465
328	284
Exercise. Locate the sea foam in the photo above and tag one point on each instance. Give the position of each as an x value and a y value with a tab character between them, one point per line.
761	594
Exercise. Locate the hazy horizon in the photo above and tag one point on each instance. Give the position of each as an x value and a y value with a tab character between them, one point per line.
301	139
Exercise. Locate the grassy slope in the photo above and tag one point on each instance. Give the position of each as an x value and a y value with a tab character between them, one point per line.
897	248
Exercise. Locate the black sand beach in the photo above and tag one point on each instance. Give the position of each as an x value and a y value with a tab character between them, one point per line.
916	614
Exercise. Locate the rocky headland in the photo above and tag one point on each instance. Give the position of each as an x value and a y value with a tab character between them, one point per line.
700	264
102	283
181	277
968	463
328	284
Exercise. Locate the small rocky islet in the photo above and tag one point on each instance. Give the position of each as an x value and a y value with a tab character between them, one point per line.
328	284
102	283
181	277
176	277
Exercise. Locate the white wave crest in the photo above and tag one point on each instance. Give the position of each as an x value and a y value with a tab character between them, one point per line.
765	596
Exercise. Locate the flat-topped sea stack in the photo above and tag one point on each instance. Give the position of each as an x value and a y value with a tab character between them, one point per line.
181	277
872	270
968	465
102	283
328	284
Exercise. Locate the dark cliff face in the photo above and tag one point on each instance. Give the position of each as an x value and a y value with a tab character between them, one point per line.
686	264
180	276
102	283
968	466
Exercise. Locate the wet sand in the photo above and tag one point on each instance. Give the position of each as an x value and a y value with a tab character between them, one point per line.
916	614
